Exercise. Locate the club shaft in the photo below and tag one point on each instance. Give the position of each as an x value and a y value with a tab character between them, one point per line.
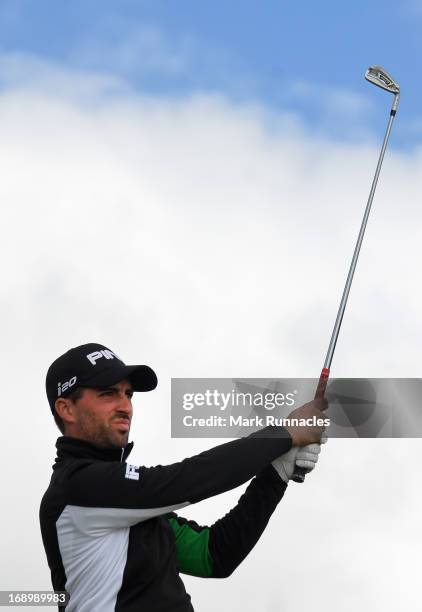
346	291
300	473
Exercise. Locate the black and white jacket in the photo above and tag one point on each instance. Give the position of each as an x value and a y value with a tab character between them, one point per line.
113	540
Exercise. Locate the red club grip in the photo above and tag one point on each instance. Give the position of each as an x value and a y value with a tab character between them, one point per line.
322	384
300	473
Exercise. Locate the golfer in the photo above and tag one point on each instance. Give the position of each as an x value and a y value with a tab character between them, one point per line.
110	530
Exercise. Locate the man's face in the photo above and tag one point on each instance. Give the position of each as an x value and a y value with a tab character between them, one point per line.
103	416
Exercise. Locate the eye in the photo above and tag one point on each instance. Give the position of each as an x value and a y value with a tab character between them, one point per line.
107	392
129	394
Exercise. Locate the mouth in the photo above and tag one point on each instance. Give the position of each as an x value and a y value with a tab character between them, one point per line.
122	424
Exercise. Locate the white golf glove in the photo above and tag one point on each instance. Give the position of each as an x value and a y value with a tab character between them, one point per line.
302	456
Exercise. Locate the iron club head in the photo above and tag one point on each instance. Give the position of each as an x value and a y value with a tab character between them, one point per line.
380	77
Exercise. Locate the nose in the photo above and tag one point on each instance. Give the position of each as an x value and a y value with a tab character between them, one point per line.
125	404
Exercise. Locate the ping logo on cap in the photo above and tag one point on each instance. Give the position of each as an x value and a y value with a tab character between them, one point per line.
93	357
61	388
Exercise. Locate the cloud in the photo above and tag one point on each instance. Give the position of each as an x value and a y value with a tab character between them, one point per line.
20	72
340	113
339	100
208	239
134	49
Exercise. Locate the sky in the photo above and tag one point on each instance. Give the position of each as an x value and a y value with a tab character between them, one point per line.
184	183
307	58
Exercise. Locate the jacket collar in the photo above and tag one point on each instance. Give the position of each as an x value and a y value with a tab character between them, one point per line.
81	449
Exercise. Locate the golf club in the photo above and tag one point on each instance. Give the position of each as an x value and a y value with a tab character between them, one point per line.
379	77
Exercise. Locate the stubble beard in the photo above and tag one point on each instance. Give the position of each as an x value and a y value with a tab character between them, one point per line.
103	436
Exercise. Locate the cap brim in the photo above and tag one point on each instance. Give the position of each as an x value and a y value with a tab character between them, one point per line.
142	377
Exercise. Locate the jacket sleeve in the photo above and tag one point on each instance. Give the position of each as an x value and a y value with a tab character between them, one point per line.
139	493
216	551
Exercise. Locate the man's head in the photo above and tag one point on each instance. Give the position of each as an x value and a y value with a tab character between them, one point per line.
89	390
102	415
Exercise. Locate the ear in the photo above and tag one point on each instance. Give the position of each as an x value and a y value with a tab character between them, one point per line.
65	410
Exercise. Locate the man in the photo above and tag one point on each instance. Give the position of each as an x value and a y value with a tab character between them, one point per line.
112	538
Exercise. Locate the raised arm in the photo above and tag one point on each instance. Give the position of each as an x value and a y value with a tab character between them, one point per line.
216	551
157	490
